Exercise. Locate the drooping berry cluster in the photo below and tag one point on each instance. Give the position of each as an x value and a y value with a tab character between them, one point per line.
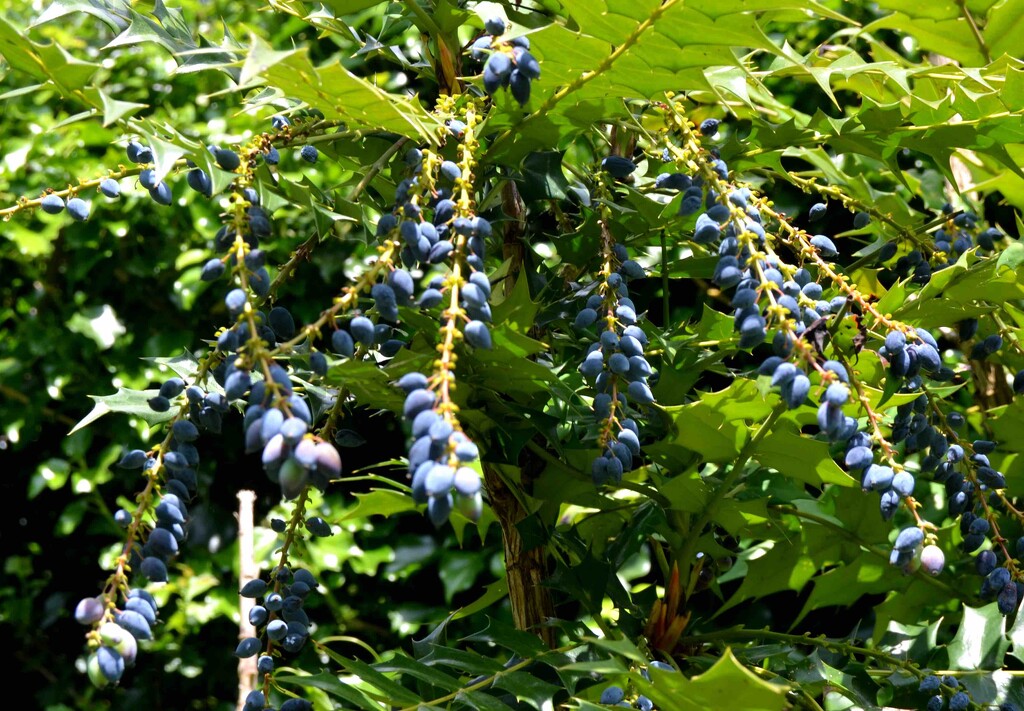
440	456
434	217
115	639
615	364
249	363
279	617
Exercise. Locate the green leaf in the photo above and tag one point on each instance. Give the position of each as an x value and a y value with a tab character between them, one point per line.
726	685
737	516
113	109
947	34
1012	94
504	635
466	662
714	426
458	571
526	687
185	365
350	98
816	676
845	584
61	8
542	177
686	491
380	502
98	323
1000	686
497	590
144	30
1016	637
588	581
325	681
482	701
130	402
1004	28
51	474
348	7
407	665
623	647
596	666
784	567
687	47
391	689
891	398
165	155
802	458
517	313
368	383
913	641
1006	426
43	61
645	521
1011	257
980	642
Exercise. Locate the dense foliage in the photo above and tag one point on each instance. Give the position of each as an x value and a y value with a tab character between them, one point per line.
537	354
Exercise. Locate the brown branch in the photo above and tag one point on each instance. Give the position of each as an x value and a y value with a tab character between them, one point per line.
525	569
512	248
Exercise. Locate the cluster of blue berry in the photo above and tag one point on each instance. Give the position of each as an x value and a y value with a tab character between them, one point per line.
614	363
441	455
507	63
117	633
282	625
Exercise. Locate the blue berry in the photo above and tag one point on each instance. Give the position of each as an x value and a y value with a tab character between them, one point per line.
495	26
933	560
617	166
478	335
709	127
909	538
137	153
248	647
227	159
612	695
959	701
825	246
78	209
110	188
161	193
52	204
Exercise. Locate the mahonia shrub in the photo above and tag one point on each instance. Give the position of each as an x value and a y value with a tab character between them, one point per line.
561	355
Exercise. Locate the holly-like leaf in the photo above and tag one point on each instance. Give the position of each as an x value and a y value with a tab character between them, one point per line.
801	458
129	402
727	684
542	177
351	98
380	502
980	641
